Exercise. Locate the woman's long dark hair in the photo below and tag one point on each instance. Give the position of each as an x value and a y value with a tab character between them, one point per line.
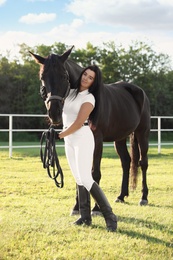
95	89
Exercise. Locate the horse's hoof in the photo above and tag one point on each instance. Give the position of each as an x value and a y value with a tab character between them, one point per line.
143	202
74	212
96	213
119	200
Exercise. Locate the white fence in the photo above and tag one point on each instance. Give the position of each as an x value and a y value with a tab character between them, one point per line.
10	130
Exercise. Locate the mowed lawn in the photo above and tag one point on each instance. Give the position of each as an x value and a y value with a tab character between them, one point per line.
35	221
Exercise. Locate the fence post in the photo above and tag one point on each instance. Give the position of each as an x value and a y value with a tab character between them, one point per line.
159	134
10	135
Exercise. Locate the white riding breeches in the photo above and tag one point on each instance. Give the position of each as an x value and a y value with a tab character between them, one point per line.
79	148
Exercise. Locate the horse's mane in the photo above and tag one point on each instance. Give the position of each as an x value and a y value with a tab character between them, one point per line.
50	62
74	71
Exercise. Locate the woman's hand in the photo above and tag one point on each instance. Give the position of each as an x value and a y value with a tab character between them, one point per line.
82	116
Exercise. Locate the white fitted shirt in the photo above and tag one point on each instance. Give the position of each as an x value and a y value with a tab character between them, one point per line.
73	104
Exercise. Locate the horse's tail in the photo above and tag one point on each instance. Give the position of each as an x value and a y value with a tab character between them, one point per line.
135	155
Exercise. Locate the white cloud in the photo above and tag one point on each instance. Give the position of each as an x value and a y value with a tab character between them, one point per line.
10	40
37	18
134	14
77	23
75	34
66	33
2	2
166	2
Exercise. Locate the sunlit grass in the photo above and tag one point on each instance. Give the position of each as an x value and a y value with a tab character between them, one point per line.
35	214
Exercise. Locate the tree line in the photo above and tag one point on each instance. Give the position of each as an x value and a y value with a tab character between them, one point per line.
139	64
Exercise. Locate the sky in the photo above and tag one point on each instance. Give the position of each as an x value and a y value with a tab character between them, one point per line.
76	22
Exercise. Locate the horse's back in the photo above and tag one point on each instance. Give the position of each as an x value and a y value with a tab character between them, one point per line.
128	95
143	103
126	108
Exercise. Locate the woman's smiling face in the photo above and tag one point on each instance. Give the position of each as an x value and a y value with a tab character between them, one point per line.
87	79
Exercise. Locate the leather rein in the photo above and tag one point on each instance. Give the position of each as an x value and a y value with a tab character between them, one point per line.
49	156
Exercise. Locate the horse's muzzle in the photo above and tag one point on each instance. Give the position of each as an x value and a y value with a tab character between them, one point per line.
54	119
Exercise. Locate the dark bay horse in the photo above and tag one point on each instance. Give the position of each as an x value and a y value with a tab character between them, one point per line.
125	111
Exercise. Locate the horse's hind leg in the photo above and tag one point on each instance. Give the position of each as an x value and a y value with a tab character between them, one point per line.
123	153
143	163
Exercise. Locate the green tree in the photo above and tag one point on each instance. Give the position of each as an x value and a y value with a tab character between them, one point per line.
108	58
139	64
85	57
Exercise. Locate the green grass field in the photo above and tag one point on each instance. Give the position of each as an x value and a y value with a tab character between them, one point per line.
35	221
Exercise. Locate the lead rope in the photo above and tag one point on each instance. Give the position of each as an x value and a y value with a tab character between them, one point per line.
49	157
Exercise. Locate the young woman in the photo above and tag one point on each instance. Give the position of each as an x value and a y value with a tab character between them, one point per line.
80	106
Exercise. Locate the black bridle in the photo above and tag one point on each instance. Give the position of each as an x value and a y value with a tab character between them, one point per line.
49	157
55	97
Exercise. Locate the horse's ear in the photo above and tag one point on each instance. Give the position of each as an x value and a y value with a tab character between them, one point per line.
65	55
37	58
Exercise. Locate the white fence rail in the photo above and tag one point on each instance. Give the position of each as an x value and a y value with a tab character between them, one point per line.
11	130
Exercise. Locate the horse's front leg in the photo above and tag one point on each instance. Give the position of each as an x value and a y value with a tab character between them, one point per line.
123	153
96	172
75	209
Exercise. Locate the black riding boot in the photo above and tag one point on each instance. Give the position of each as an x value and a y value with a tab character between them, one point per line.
101	200
84	207
75	210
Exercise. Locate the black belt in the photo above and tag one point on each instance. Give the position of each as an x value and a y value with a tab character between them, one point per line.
84	124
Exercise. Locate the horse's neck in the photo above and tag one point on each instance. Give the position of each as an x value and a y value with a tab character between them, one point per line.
74	71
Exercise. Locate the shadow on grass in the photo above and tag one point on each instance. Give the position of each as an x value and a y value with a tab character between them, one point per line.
158	206
148	205
146	223
150	239
133	234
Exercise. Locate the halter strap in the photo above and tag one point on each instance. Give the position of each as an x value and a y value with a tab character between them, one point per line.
55	97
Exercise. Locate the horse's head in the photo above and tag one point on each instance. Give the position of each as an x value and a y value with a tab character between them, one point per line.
55	79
